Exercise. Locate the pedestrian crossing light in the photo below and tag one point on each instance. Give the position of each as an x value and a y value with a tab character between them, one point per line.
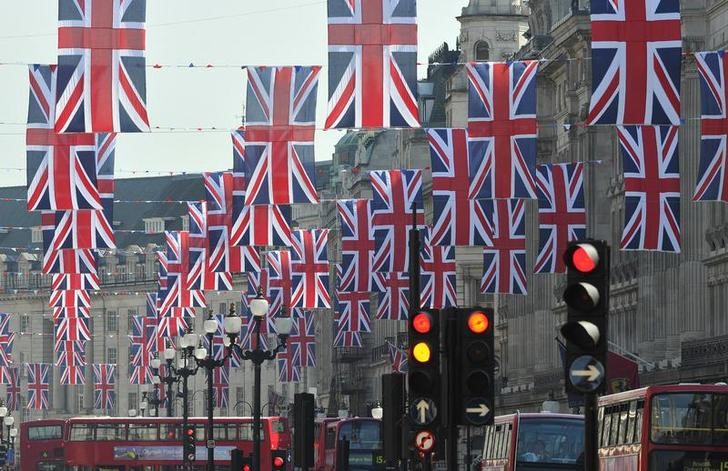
587	300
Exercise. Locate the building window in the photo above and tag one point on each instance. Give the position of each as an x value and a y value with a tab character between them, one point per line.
80	400
25	323
36	235
133	403
185	222
223	309
482	51
154	225
112	321
130	321
111	355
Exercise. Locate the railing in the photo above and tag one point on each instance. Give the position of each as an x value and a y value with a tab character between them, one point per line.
705	351
495	10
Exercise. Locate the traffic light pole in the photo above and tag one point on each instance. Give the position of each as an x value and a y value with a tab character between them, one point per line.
591	444
451	327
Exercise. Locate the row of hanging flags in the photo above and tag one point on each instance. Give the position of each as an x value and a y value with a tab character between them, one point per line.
481	176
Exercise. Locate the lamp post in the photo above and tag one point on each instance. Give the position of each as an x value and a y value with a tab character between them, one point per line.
377	411
170	376
9	421
3	415
187	342
245	403
205	359
144	404
259	309
155	401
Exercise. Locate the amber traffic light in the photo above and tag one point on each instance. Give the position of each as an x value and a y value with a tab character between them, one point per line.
423	376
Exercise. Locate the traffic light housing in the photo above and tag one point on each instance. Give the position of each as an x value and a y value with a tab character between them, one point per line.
587	300
472	359
423	376
303	436
189	442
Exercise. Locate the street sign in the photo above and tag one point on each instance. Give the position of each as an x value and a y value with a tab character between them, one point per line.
477	411
211	444
586	373
423	411
425	441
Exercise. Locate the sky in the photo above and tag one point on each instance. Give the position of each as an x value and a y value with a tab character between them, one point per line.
180	32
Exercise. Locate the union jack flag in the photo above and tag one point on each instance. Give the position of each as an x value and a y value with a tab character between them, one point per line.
279	152
239	183
561	213
397	358
372	64
393	291
397	194
502	129
174	325
504	262
72	328
275	296
636	62
81	229
457	219
61	167
12	391
140	374
288	370
38	385
142	330
75	281
221	386
345	338
219	223
303	340
261	225
438	280
280	281
101	66
67	261
219	349
71	358
7	339
310	269
70	298
247	334
201	276
354	311
651	188
712	183
70	312
104	384
357	245
178	291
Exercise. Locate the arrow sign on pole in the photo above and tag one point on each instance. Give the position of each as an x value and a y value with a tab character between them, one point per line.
481	410
592	373
477	411
586	373
423	408
423	411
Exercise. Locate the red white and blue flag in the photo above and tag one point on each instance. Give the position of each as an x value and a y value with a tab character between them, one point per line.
11	377
397	358
396	196
101	66
561	213
219	223
504	261
61	167
712	184
7	338
393	291
221	386
71	358
636	62
262	280
357	245
70	298
201	276
310	269
104	384
303	340
372	64
280	281
288	370
77	281
651	188
69	261
345	338
73	328
261	225
71	312
249	339
438	276
80	229
502	129
457	218
279	151
179	292
38	385
354	311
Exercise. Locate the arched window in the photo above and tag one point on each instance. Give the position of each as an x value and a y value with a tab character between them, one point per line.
482	51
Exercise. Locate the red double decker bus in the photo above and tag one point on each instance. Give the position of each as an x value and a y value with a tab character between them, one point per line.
155	443
41	445
353	444
676	427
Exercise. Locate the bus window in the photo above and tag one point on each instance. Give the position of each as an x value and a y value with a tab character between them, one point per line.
220	432
45	432
105	432
606	426
623	423
550	441
614	433
507	444
279	426
720	419
632	415
639	414
245	432
143	432
82	432
364	435
682	418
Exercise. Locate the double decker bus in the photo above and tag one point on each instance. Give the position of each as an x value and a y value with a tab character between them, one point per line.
352	444
155	443
41	445
682	427
534	442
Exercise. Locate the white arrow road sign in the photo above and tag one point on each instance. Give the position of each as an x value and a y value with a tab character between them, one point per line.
592	373
482	410
422	409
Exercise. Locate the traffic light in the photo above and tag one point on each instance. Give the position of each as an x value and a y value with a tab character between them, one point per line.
472	364
303	436
424	367
587	299
189	445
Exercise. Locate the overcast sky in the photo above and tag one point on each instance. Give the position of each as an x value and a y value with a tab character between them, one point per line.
219	32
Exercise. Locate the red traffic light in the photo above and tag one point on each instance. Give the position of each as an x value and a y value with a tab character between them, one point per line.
278	462
478	322
422	322
582	257
246	467
189	432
